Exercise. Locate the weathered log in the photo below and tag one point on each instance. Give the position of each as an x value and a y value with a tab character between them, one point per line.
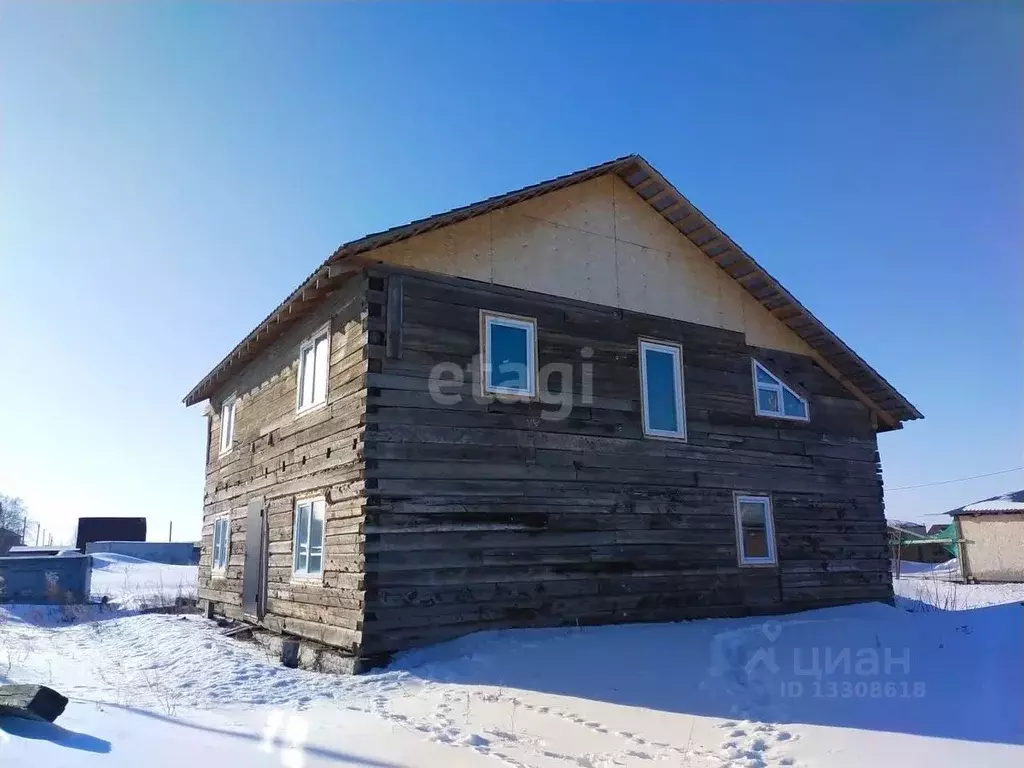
31	702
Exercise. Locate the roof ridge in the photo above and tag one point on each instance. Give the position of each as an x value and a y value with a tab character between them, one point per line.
637	173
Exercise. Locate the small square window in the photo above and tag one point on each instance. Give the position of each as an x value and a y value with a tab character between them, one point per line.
308	539
509	358
661	388
773	398
755	530
314	368
227	425
221	545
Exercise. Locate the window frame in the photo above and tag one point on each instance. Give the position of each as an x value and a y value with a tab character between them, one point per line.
310	343
529	324
676	350
778	388
772	561
305	576
232	403
220	571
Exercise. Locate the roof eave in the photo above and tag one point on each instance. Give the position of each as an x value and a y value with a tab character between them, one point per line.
852	370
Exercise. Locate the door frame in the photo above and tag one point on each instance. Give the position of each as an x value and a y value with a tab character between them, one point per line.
256	559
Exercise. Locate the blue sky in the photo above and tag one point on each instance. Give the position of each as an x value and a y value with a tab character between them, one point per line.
169	172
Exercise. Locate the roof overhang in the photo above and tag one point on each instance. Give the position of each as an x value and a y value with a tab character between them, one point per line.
888	405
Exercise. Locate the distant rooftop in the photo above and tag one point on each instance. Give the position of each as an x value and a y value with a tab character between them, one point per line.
1008	503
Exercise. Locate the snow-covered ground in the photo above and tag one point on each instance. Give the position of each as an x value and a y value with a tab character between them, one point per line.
925	586
850	686
131	584
946	571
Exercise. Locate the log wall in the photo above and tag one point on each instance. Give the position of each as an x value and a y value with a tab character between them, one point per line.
443	519
488	514
280	455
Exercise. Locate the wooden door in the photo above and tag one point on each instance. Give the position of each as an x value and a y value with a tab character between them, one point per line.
254	572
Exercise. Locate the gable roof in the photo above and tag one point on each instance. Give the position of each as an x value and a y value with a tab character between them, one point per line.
843	363
1007	503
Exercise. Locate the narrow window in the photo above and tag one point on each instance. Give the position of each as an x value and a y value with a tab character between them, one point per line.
221	545
227	425
509	356
755	530
314	364
309	539
773	398
661	385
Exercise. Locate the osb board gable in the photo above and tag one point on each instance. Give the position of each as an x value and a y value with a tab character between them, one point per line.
596	241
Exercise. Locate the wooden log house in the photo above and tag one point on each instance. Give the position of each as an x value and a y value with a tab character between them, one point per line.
576	403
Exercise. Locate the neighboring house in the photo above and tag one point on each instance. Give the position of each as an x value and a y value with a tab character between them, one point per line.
577	403
992	533
903	525
8	539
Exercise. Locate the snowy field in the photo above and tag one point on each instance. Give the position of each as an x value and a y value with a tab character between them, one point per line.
854	686
924	586
131	584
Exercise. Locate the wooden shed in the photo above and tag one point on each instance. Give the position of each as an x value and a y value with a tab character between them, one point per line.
577	403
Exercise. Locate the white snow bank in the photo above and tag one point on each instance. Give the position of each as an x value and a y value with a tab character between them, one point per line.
131	583
840	687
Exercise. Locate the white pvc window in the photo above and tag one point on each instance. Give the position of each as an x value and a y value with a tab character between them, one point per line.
221	545
755	530
309	539
773	398
314	365
661	388
227	425
509	356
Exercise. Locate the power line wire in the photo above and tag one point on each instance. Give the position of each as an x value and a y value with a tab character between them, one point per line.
956	480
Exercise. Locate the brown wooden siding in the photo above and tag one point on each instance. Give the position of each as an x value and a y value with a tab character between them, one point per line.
281	455
489	515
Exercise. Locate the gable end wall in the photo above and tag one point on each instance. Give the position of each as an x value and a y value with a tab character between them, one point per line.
488	515
599	242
